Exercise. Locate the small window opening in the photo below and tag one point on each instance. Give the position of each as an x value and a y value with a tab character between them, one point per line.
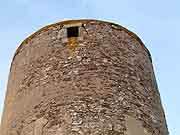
72	32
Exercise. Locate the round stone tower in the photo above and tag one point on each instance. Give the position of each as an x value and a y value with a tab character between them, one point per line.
82	77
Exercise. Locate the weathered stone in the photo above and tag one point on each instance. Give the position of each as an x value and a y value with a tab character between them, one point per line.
98	82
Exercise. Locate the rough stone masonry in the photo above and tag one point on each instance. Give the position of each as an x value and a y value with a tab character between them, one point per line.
82	77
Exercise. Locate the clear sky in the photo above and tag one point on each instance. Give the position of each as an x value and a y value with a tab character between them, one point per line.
156	22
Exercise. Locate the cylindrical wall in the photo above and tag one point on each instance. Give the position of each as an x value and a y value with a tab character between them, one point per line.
82	77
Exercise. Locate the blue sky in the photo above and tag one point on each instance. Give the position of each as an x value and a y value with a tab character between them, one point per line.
156	22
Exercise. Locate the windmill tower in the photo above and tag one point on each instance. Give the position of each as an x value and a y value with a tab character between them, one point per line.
82	77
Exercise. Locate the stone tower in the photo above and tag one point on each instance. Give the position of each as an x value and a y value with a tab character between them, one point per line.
82	77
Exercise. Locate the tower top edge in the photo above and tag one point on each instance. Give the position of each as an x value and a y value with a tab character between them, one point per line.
83	21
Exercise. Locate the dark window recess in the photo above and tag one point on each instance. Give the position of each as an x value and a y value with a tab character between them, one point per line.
72	32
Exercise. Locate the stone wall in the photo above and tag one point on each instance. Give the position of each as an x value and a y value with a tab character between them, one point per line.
98	83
